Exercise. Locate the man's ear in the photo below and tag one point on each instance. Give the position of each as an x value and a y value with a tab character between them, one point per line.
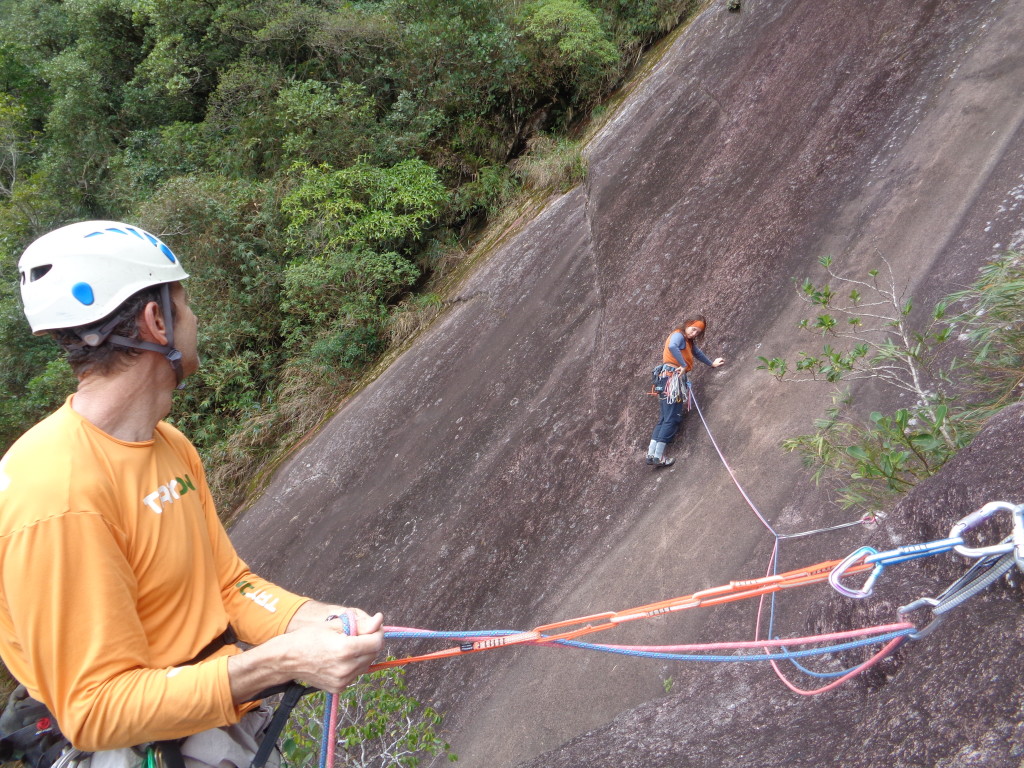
151	324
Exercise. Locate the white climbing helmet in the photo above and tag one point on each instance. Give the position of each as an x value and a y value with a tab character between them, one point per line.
79	274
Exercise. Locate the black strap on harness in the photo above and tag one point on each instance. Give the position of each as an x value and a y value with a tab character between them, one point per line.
28	732
40	747
292	693
227	637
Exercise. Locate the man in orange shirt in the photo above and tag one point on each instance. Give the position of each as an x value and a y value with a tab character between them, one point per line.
120	587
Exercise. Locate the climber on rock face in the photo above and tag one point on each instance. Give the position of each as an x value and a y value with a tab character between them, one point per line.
678	355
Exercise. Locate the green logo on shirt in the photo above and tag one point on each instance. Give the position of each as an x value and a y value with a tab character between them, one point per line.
261	597
169	493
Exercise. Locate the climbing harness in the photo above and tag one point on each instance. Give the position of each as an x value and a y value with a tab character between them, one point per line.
669	382
31	734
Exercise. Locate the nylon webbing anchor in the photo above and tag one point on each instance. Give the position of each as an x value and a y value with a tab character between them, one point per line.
868	556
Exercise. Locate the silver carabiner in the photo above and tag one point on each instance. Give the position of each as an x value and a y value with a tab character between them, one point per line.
976	518
935	622
869	586
1018	537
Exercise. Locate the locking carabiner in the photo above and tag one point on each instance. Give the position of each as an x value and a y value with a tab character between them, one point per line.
1018	537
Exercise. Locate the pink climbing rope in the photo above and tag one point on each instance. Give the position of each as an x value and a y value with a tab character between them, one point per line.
885	651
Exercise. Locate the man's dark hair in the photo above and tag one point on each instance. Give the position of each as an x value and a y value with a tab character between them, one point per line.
107	357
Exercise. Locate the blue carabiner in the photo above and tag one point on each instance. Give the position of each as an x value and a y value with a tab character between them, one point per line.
914	551
851	560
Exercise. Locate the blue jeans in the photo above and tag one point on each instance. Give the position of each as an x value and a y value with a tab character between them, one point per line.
671	418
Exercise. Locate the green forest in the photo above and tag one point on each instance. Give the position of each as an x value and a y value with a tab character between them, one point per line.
319	165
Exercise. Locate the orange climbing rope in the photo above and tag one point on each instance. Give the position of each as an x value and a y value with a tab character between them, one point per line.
570	629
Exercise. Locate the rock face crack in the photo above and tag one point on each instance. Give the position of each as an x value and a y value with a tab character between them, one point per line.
592	245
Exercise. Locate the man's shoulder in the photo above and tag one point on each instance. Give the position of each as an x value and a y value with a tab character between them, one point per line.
175	438
42	444
47	472
34	475
171	433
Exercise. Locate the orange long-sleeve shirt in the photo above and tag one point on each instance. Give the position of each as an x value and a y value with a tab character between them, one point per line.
115	570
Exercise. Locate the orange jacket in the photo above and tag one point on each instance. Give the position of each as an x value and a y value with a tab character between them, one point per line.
686	349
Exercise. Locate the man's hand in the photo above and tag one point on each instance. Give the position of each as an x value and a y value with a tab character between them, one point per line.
719	361
318	653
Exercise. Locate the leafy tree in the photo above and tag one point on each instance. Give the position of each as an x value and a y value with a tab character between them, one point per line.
362	204
31	33
870	337
322	124
147	159
17	142
571	49
84	123
187	43
242	129
992	324
352	227
637	23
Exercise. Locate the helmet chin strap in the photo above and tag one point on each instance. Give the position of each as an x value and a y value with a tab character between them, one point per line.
173	356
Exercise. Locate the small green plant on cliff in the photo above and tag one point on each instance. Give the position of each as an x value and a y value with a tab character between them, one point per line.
866	324
379	725
991	323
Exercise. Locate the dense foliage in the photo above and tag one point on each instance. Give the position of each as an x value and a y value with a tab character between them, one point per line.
314	162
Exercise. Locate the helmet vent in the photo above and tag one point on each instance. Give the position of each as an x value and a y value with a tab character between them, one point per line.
38	272
84	293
